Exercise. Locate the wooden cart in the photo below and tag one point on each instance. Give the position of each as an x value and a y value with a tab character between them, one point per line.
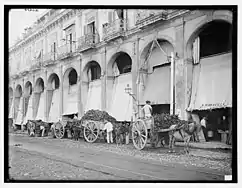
140	134
92	130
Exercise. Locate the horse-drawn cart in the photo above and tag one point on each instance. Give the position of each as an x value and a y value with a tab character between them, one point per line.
144	131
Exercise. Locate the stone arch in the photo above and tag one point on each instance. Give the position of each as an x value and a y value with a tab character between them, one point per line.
28	88
122	68
18	91
165	44
53	82
70	77
225	16
92	71
39	85
160	37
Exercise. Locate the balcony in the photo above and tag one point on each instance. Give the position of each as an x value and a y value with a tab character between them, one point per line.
66	51
37	63
113	30
147	17
87	42
49	58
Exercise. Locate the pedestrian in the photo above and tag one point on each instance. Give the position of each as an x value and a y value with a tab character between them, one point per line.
204	127
109	128
147	109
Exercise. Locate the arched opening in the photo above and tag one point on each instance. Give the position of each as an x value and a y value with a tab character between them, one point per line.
93	71
53	98
70	92
119	72
28	109
72	77
18	115
92	88
53	82
210	48
39	111
154	76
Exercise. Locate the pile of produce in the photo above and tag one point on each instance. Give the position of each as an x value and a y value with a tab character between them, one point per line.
98	115
164	121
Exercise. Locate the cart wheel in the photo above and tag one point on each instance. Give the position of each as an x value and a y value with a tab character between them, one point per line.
139	134
91	132
59	130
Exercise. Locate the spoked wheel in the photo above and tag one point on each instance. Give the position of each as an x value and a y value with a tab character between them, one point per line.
59	130
91	132
139	134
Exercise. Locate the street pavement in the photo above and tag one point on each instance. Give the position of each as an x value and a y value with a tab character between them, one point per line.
36	158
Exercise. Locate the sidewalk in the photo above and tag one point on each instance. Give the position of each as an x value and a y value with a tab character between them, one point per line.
207	145
199	145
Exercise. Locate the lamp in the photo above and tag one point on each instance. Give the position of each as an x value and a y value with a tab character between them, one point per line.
128	90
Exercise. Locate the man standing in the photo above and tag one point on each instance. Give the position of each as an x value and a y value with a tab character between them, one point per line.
204	127
147	109
109	127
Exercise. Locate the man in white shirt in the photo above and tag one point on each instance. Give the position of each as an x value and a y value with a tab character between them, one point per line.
204	126
147	109
109	127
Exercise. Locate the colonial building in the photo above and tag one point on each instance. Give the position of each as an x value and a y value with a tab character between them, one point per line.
73	60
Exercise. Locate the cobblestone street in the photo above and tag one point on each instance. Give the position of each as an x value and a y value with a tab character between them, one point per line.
53	159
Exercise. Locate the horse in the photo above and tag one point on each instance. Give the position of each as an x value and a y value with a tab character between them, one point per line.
34	126
184	132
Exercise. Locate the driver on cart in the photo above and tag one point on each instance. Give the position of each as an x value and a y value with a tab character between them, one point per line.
147	111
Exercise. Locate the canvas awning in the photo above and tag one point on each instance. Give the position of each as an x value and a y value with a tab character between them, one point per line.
157	86
71	100
94	96
41	110
122	103
29	113
54	113
212	83
10	115
19	118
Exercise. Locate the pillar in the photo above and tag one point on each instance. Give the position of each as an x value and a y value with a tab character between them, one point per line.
80	104
179	66
104	80
23	107
61	91
45	97
14	104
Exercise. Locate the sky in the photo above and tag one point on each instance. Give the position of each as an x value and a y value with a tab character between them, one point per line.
20	19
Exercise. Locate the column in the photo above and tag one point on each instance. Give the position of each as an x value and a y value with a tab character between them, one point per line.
61	92
179	67
80	105
104	80
14	104
45	97
23	106
135	69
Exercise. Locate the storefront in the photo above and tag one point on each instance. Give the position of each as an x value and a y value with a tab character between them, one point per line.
211	95
155	75
18	115
28	103
39	112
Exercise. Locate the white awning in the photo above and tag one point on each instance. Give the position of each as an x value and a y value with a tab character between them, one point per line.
94	96
29	113
157	86
54	112
10	115
71	100
41	111
212	83
121	106
19	118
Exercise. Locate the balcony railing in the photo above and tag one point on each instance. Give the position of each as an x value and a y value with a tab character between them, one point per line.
49	58
87	41
114	29
146	17
37	63
66	51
